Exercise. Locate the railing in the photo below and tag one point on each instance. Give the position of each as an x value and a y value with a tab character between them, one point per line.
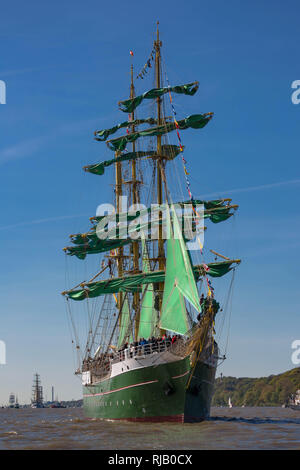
102	367
141	350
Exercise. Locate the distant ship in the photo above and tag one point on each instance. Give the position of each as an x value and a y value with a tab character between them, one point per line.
12	400
37	393
57	405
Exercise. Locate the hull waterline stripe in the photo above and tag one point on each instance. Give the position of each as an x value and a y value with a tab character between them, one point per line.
181	418
152	419
119	389
182	375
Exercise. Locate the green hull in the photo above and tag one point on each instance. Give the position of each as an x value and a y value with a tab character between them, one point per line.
154	393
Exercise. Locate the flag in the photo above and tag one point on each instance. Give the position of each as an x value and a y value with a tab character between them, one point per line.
131	53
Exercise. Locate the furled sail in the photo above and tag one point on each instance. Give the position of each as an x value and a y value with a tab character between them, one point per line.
196	121
180	281
168	151
99	241
128	106
211	207
97	246
133	283
103	134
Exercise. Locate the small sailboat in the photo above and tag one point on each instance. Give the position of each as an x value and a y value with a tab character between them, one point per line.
229	403
294	402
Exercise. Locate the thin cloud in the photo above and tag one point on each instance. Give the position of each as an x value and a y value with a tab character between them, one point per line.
42	221
30	146
255	188
10	73
22	149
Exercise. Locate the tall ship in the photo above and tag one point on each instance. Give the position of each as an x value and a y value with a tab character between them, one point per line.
37	393
145	344
12	400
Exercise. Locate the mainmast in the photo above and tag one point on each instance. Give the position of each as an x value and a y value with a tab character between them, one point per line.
161	252
157	46
119	192
135	200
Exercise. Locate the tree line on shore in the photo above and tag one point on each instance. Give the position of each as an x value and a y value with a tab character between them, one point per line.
274	390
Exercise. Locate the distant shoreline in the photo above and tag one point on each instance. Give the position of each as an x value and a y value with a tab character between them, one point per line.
272	391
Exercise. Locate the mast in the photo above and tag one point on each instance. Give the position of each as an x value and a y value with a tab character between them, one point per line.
161	252
37	392
135	200
157	46
119	192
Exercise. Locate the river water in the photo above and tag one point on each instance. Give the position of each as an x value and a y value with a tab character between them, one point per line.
235	428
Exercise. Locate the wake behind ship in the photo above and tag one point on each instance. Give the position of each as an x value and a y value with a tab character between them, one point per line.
149	353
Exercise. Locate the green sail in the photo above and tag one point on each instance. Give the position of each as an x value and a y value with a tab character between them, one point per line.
98	246
128	106
102	135
196	121
219	217
179	282
125	324
148	315
131	283
220	269
134	282
168	151
98	168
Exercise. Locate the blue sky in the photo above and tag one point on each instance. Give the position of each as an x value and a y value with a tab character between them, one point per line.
66	65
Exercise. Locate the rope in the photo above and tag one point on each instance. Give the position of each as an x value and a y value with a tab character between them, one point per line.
230	309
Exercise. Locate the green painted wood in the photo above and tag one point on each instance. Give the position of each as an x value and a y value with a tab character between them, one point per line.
162	398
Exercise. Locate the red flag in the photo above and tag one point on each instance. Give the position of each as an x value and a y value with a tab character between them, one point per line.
131	53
